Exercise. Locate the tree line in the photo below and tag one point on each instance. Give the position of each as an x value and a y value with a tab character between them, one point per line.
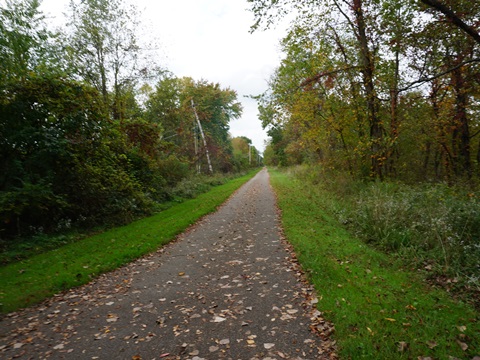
378	88
92	129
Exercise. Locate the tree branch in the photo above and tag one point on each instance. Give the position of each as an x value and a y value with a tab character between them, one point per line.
453	18
424	79
317	77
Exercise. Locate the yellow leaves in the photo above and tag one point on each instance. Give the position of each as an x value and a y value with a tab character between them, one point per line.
390	319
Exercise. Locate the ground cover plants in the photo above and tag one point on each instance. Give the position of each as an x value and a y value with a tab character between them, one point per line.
30	280
380	308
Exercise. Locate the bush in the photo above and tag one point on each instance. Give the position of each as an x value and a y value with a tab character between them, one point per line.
30	208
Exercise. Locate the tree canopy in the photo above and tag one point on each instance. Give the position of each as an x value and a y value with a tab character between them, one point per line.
378	88
86	135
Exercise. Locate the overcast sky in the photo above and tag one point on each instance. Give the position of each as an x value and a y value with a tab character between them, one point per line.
210	39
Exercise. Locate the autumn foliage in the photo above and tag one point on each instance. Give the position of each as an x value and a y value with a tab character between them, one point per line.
380	89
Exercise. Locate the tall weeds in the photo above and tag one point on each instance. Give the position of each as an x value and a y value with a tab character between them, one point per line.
432	226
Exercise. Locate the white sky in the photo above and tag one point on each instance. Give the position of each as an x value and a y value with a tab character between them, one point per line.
210	39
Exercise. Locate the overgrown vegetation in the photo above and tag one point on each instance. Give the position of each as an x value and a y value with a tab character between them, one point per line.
432	228
31	280
381	308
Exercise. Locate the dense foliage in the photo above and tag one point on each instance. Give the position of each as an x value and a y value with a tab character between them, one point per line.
91	130
382	89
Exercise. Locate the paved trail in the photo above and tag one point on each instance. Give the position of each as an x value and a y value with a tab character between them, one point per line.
227	289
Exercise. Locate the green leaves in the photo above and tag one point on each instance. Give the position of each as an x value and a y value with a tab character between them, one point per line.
23	35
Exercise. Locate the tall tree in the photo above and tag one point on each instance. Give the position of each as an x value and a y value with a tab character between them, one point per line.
170	105
385	54
104	48
359	20
24	40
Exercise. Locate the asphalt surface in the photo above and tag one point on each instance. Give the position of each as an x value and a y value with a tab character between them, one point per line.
228	288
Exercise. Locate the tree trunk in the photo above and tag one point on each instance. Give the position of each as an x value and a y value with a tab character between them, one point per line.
462	130
376	128
393	153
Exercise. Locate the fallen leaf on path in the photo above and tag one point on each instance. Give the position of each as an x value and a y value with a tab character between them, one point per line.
218	319
268	346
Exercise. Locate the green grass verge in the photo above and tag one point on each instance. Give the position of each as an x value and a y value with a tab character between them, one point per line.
29	281
380	311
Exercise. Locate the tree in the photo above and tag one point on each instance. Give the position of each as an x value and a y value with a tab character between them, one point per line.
24	40
359	19
61	161
170	105
454	18
245	155
104	49
352	67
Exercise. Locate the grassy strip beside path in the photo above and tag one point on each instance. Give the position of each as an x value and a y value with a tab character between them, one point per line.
379	310
32	280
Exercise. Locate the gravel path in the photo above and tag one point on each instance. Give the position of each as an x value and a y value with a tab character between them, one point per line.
228	288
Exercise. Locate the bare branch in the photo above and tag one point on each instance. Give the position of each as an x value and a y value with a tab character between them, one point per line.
423	80
454	18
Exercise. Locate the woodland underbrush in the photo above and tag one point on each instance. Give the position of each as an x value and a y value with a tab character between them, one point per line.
433	228
68	231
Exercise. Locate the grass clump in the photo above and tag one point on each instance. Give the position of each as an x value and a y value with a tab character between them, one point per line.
380	310
31	280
